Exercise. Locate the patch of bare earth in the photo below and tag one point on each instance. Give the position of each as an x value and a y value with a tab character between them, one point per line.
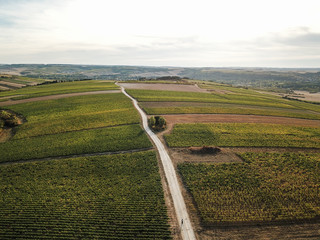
164	87
301	95
306	96
58	96
228	155
180	155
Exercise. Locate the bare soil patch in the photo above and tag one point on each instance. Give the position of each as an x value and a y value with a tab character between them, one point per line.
58	96
165	87
306	96
301	95
180	155
237	118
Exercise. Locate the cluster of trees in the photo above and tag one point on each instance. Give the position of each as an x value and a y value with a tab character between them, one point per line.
157	123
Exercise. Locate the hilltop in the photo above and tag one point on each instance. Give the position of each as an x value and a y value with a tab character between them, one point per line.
280	79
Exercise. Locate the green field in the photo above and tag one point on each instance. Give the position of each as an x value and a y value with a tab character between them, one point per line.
243	135
75	113
75	125
172	96
22	80
104	197
59	88
223	99
156	108
108	139
266	187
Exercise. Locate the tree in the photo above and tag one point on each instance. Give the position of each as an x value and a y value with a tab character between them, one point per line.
157	123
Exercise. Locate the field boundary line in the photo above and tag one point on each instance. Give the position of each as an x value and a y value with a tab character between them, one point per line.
76	156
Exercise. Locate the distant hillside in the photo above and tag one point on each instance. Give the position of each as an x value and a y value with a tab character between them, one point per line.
269	78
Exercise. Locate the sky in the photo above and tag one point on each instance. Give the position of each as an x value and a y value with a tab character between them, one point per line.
186	33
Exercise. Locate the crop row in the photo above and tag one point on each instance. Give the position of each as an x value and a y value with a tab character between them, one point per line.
75	113
266	187
243	134
114	197
108	139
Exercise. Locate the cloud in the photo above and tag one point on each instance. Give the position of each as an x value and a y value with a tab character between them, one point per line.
201	33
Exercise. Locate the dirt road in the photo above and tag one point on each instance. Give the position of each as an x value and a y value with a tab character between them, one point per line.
58	96
178	200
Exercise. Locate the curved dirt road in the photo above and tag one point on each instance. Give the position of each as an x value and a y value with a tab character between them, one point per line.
178	201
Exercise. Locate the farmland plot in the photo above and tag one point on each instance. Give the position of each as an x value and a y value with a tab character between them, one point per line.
108	139
268	187
75	113
243	135
59	88
114	197
224	108
223	100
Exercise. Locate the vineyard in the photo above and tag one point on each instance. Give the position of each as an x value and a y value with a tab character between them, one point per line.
75	113
113	197
108	139
267	187
59	88
223	108
243	135
171	96
223	99
75	125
